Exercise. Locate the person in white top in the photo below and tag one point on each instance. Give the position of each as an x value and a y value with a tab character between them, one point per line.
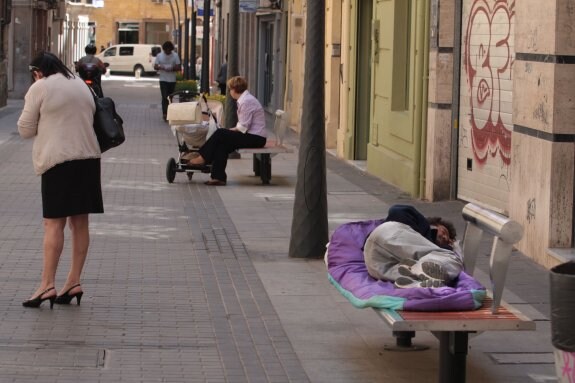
59	114
167	64
250	132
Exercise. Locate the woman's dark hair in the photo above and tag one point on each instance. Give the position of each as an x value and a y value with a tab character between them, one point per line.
90	49
48	64
448	225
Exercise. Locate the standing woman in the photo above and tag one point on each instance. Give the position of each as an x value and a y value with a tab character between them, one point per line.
250	132
59	114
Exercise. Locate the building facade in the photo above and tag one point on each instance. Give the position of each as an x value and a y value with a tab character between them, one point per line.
262	48
106	23
66	27
454	99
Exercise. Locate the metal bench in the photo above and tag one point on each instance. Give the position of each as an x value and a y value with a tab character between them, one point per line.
262	157
452	329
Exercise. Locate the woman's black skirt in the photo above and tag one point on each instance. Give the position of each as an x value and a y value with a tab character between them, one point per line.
72	188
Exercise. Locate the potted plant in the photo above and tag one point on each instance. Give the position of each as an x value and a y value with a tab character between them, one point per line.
190	87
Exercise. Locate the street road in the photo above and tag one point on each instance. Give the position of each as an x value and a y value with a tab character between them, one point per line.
129	90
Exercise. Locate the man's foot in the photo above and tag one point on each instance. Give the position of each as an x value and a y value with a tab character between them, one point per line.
165	117
408	283
424	271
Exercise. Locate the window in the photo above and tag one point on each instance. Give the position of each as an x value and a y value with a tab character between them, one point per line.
110	52
126	51
128	33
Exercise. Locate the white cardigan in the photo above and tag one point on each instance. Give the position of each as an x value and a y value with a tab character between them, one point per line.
59	113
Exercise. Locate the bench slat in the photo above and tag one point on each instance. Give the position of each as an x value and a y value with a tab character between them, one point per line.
478	320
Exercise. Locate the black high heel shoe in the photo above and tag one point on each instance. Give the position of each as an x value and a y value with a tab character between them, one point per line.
36	302
66	298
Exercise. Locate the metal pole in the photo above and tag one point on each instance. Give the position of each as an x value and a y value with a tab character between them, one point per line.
455	98
186	42
218	31
193	54
233	42
173	19
179	29
309	231
205	85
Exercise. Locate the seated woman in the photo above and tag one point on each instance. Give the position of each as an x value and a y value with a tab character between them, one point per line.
250	132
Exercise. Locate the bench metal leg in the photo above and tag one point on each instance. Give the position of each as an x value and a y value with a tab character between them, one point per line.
403	342
262	164
256	165
452	356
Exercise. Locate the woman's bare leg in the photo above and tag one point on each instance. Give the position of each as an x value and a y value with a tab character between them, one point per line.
79	225
53	245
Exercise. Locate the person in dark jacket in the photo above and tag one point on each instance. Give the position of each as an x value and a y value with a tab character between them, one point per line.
223	77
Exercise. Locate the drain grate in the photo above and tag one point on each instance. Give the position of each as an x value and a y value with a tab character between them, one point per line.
522	357
52	357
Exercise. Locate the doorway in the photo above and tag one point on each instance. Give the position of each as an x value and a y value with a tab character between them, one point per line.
363	80
267	63
128	33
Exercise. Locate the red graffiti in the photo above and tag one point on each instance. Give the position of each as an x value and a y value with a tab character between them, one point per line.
488	63
566	366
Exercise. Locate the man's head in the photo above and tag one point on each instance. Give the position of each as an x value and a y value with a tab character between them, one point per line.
446	232
168	47
90	49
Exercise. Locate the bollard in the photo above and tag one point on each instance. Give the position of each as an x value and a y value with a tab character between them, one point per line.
562	285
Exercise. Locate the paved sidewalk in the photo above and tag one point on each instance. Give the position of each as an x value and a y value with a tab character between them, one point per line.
190	283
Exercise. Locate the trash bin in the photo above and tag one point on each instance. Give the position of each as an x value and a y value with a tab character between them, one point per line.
562	284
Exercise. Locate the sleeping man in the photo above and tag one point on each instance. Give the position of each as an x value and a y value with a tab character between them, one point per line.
413	251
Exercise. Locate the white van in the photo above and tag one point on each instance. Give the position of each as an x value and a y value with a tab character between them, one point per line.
135	58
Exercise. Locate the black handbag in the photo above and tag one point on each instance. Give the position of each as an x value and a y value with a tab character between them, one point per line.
108	124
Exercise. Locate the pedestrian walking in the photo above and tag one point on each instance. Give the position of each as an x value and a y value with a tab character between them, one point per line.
167	64
59	114
223	77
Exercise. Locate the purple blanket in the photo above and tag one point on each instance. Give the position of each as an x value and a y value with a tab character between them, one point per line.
348	273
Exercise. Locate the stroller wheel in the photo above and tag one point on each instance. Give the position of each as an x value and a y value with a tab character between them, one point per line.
171	170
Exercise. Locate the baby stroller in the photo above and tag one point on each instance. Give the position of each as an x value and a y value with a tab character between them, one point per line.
192	123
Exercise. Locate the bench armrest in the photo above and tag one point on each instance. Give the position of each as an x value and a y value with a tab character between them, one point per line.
506	233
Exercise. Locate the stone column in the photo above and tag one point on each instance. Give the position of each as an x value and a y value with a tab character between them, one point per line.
3	83
542	164
437	171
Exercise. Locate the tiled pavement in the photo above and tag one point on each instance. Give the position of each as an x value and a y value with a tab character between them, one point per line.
189	283
170	292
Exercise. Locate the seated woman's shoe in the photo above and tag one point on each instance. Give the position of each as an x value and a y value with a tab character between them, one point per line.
66	298
37	301
214	182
